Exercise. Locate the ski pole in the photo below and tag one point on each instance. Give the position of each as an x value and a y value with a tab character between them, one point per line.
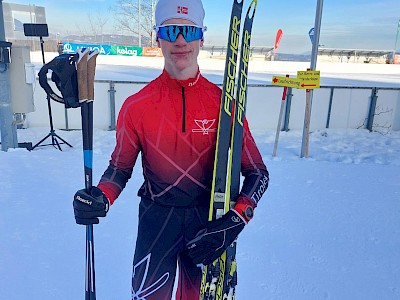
86	70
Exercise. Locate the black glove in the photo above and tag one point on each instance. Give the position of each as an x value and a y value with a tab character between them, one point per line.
88	207
213	240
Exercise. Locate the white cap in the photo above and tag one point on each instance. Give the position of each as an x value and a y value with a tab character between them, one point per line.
191	10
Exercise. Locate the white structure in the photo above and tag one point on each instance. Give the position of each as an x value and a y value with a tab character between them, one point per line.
15	15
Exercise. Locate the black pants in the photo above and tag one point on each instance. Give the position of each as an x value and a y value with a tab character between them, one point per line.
162	235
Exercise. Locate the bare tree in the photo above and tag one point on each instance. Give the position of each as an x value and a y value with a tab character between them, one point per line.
96	26
97	23
381	123
81	30
136	17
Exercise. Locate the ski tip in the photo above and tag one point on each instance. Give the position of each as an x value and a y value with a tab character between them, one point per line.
252	6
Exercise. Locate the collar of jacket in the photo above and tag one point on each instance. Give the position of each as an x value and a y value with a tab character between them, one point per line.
175	83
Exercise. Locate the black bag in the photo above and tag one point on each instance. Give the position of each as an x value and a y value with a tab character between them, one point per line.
64	75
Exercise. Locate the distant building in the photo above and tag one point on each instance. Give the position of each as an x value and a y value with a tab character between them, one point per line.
353	55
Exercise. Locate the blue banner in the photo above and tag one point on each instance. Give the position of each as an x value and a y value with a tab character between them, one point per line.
70	48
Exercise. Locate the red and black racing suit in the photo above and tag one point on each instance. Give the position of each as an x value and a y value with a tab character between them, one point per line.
173	124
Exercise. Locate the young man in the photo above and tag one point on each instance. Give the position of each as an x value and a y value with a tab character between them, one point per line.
173	123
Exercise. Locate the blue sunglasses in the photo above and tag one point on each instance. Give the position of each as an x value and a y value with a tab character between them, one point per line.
171	32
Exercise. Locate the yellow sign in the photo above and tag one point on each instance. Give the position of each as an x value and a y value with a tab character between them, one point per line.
310	79
304	80
286	81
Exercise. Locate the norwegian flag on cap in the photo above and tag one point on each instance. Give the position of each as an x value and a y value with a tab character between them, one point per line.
182	10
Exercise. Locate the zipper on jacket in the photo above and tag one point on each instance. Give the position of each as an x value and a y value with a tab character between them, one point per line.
183	110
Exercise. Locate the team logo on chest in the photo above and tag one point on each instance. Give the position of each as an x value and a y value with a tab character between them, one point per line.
205	126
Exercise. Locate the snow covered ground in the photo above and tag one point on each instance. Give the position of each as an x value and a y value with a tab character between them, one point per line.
327	228
131	68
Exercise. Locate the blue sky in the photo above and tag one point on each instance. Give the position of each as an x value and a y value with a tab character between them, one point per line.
355	24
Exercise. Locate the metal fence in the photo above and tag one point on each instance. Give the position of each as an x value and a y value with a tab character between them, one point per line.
368	121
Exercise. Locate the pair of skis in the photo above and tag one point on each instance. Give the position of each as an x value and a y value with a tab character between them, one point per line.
219	279
86	68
